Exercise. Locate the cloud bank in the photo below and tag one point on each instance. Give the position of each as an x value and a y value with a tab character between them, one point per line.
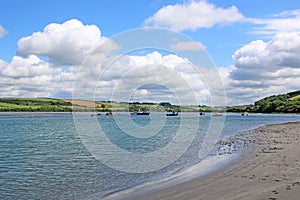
153	77
33	77
264	68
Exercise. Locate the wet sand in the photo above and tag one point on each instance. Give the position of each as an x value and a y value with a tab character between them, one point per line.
268	168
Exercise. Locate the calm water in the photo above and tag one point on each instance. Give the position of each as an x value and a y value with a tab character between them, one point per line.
43	157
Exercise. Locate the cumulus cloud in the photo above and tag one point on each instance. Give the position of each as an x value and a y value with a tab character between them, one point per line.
264	68
2	31
282	50
193	15
285	21
64	44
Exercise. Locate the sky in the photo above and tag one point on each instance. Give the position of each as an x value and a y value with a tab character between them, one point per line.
45	48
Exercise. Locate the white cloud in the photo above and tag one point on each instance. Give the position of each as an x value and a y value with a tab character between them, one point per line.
283	50
285	21
187	46
264	68
2	31
65	44
193	15
26	67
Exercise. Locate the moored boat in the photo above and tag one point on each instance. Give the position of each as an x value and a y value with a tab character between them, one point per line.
109	114
172	113
217	114
245	114
144	112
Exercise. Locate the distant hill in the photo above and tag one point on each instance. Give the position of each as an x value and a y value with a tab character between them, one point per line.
34	105
287	103
282	103
49	105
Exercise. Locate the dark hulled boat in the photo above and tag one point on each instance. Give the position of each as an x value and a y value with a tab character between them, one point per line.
141	113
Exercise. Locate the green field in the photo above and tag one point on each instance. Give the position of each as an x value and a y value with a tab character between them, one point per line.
34	105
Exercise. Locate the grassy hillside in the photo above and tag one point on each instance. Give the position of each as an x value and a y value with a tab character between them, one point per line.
34	105
288	103
282	103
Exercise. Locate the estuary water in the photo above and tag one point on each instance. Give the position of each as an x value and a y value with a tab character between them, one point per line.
42	156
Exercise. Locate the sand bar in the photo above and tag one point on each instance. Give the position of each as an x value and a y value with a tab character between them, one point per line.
268	168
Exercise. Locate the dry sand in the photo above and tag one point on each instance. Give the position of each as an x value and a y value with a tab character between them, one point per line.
268	168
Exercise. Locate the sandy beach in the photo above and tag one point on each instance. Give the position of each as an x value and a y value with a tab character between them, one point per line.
268	168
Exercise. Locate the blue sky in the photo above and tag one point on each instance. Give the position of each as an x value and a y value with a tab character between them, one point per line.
243	22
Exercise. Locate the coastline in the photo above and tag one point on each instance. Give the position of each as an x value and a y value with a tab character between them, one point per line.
267	168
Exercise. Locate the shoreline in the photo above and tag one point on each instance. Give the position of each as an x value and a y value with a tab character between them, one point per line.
198	170
268	167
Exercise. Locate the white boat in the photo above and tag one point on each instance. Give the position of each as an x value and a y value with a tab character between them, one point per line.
245	114
172	113
217	114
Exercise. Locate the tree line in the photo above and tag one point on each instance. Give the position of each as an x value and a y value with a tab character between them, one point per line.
282	103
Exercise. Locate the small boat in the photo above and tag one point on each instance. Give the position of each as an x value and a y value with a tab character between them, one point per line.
97	114
218	114
201	113
172	113
145	112
245	114
109	114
